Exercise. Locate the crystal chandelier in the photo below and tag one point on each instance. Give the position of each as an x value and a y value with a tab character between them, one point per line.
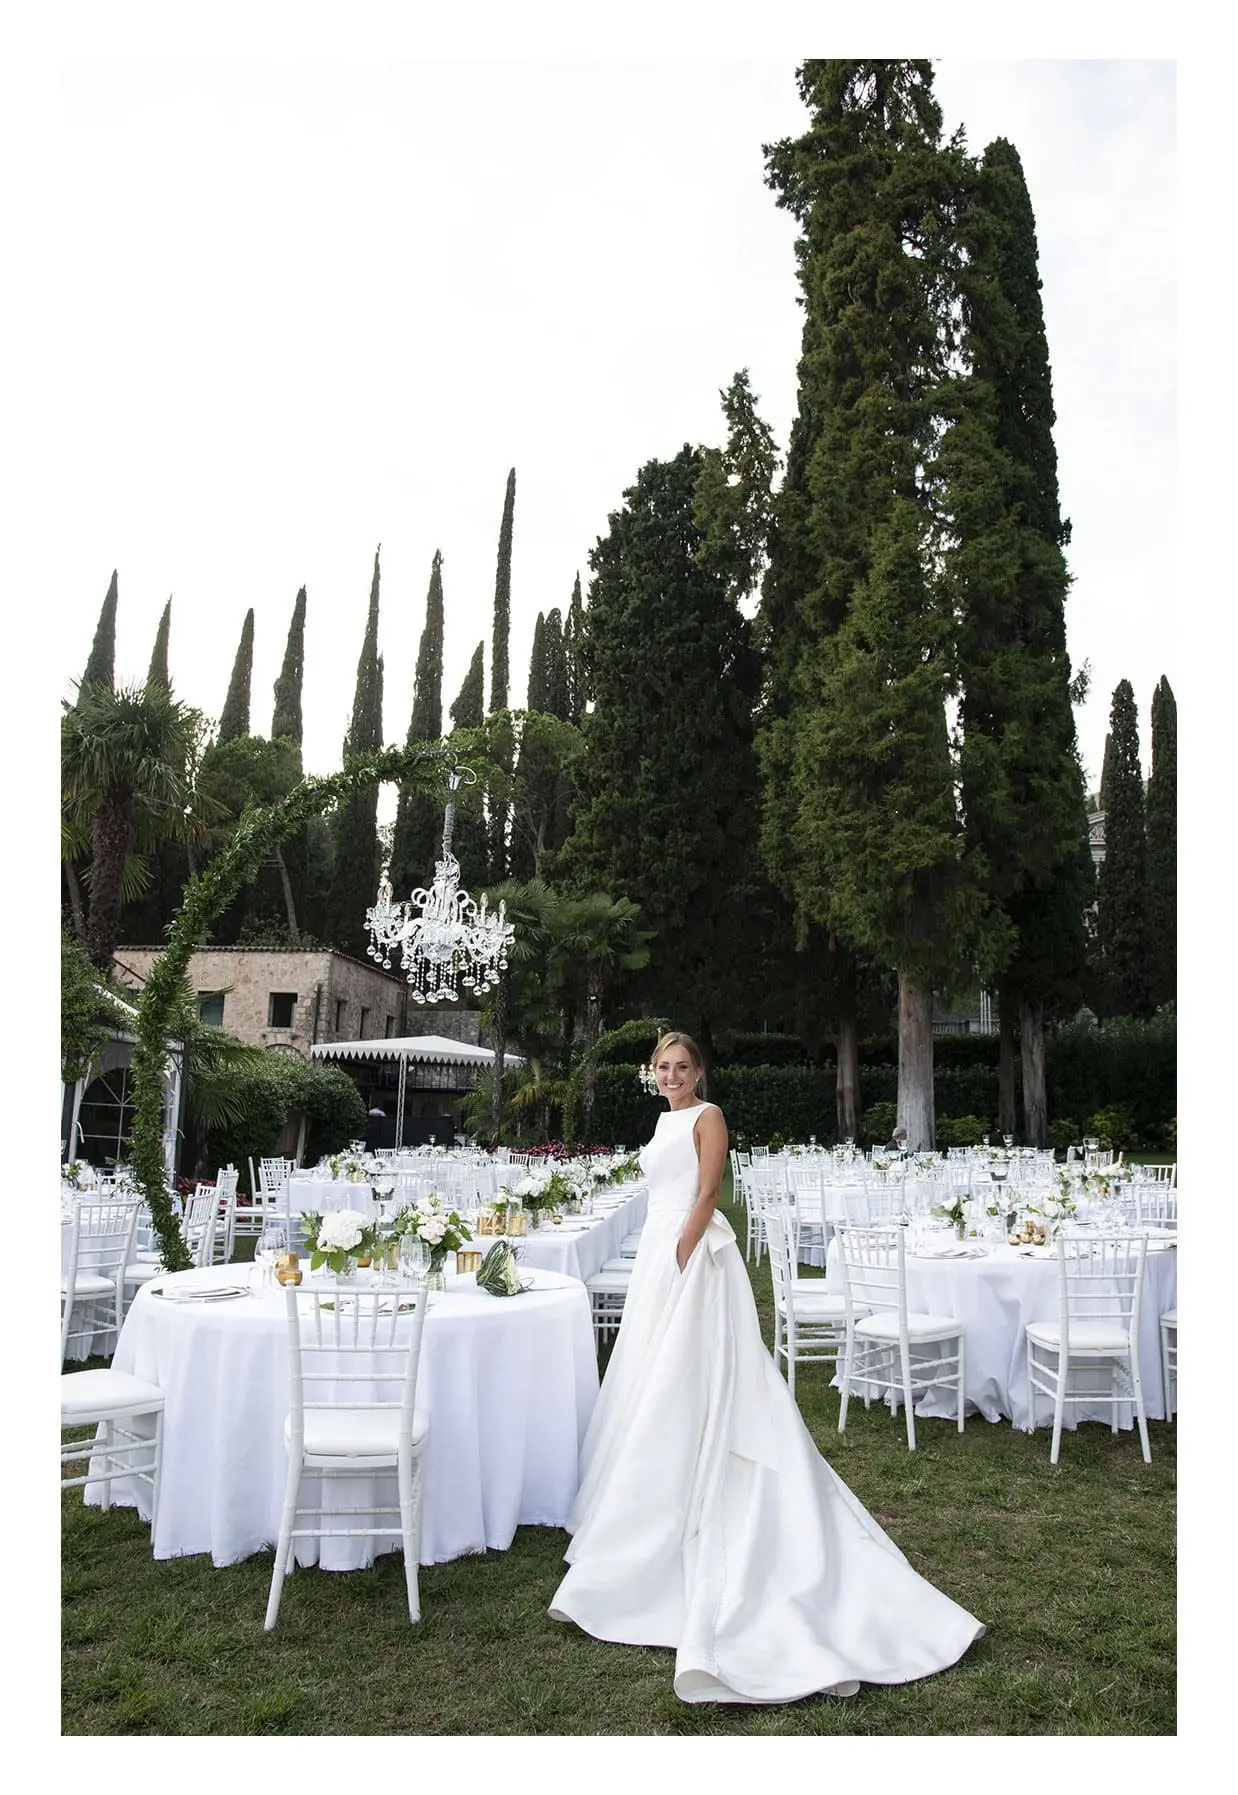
444	937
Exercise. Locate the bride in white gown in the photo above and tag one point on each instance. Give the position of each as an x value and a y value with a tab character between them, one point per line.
706	1519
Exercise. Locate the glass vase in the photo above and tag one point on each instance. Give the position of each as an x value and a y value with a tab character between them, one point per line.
434	1277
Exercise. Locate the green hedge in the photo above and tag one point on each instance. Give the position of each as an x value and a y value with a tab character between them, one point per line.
750	1048
1126	1066
278	1087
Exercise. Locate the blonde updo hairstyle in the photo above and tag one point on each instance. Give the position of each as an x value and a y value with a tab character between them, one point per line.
674	1039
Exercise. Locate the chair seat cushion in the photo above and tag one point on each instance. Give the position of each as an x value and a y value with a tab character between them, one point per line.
89	1283
609	1283
621	1267
357	1433
1085	1336
87	1396
884	1326
1169	1319
143	1271
818	1308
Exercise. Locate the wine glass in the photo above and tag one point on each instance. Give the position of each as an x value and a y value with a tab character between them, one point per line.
272	1241
1008	1140
414	1259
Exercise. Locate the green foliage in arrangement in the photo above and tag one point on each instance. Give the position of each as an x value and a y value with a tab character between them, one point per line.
206	896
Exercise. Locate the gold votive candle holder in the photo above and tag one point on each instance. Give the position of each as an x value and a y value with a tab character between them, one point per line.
518	1223
485	1222
468	1260
288	1268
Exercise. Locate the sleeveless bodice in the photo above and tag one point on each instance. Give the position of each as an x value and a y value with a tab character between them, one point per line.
669	1162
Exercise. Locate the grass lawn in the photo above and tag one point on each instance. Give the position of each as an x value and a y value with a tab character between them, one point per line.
1071	1567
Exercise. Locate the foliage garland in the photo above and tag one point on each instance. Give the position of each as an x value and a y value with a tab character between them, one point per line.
206	895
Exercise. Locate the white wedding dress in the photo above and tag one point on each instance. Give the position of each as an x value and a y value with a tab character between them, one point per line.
706	1519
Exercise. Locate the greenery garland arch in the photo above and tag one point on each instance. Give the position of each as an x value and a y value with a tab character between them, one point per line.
420	767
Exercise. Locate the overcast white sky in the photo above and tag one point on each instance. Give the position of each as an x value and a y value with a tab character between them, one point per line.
316	308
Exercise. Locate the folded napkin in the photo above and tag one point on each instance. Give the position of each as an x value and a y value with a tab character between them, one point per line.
213	1293
948	1249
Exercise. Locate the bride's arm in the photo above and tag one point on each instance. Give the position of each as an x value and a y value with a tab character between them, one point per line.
711	1143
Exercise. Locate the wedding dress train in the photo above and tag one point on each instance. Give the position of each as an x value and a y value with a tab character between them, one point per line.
706	1519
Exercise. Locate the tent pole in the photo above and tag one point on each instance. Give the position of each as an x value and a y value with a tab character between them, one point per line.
399	1102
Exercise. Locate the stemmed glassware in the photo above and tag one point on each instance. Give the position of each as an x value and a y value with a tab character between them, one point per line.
414	1259
272	1242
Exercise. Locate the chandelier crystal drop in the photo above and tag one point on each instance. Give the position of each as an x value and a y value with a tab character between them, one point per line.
445	939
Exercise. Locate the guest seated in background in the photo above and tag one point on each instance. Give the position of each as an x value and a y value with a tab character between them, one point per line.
897	1142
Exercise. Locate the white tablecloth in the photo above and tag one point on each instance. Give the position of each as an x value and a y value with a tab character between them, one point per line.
508	1383
995	1297
581	1245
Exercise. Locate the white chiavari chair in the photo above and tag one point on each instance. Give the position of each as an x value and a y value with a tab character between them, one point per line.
338	1427
1100	1288
1169	1361
93	1285
882	1332
127	1415
810	1323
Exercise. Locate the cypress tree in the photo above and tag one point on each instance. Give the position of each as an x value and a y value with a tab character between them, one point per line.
667	803
419	818
1122	886
502	601
535	694
556	699
468	711
862	824
1162	840
574	653
234	718
157	674
286	717
1021	783
101	666
355	870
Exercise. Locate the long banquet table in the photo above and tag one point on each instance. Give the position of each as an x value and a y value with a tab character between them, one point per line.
580	1245
508	1383
994	1295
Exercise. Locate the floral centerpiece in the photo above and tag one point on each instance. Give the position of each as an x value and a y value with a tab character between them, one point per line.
443	1230
954	1212
337	1240
346	1165
620	1170
530	1192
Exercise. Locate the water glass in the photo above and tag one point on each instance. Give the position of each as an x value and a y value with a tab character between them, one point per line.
414	1259
272	1242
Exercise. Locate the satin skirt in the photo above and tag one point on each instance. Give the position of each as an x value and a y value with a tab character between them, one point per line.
707	1521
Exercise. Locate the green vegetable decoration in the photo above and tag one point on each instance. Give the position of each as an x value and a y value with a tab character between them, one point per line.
500	1273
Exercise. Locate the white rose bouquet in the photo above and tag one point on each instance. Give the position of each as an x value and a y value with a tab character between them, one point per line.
443	1230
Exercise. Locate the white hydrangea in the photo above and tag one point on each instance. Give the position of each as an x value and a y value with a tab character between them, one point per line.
341	1230
432	1229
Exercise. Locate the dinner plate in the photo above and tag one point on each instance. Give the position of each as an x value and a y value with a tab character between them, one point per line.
217	1293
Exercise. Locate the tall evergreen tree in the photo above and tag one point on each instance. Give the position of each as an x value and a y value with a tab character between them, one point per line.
234	718
1122	885
667	811
557	696
1162	840
574	653
535	692
861	818
286	717
354	875
157	675
468	710
419	816
101	665
502	601
1005	572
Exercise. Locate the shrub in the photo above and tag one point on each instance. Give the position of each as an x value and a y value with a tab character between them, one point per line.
749	1048
631	1044
762	1101
1114	1128
961	1131
623	1111
279	1086
877	1124
1065	1133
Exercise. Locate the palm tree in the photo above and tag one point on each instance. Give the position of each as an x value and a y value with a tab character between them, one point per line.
128	759
600	933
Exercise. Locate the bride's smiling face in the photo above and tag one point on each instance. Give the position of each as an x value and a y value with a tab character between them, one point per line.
676	1074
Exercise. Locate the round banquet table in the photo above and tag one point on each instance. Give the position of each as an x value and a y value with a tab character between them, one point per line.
580	1245
995	1295
508	1384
